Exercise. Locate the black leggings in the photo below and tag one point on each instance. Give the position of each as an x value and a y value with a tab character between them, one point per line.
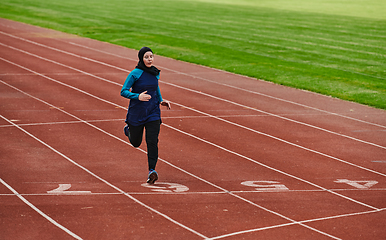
152	132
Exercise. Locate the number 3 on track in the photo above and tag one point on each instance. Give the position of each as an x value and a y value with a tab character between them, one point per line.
266	185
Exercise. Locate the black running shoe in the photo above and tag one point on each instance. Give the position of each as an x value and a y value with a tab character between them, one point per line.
153	176
126	130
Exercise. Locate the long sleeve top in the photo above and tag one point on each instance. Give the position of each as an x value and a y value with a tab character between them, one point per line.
141	112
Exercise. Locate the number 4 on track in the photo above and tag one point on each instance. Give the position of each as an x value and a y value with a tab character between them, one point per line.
357	184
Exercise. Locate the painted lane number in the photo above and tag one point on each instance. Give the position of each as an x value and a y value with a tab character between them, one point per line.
266	185
166	187
62	189
357	184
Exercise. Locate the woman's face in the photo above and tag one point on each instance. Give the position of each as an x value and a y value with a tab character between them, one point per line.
148	59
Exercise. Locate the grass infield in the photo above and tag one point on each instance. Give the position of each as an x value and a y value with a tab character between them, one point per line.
336	48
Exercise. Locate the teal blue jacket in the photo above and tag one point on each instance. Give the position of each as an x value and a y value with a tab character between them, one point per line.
141	112
134	76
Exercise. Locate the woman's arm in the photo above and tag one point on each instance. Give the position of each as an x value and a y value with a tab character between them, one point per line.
163	103
125	91
166	103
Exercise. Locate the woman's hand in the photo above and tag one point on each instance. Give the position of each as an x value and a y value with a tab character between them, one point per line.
144	97
166	103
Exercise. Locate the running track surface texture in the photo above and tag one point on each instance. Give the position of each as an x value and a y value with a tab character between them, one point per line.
239	158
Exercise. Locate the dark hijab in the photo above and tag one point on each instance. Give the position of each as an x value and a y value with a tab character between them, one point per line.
141	65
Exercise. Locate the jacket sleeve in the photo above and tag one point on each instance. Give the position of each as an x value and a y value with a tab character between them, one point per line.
159	95
159	91
125	91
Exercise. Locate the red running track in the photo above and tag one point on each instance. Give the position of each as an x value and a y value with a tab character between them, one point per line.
240	158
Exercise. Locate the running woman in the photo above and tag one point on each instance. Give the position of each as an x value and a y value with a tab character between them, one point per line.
141	87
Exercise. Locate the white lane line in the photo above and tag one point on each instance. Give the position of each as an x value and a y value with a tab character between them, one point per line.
57	63
205	193
99	178
168	163
106	101
62	51
55	123
64	84
37	209
288	224
122	119
56	74
251	230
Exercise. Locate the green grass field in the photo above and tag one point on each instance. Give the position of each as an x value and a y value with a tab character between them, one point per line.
336	48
